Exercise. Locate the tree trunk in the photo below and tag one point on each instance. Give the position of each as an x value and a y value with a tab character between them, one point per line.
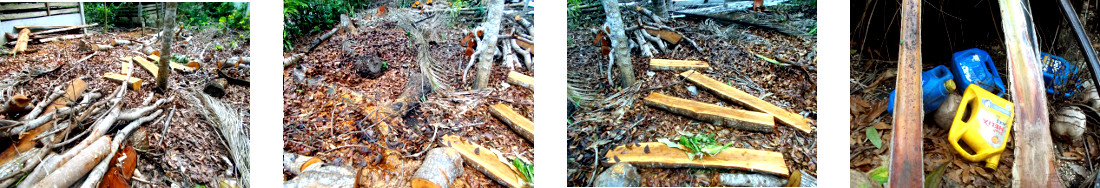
166	45
440	168
621	50
492	29
661	7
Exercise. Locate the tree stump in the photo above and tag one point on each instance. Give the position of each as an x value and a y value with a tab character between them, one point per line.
368	66
440	168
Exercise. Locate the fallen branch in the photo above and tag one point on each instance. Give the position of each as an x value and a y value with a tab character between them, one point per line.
97	174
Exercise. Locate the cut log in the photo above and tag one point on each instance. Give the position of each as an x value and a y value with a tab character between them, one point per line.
345	23
21	44
526	44
670	36
521	80
440	168
216	87
485	161
677	65
520	124
618	175
148	66
135	83
74	169
120	42
662	156
63	29
714	114
27	141
62	37
740	97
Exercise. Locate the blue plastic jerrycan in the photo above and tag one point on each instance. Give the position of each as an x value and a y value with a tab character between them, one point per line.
974	66
1056	74
936	84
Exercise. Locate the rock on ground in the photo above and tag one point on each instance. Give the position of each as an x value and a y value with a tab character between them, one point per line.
619	175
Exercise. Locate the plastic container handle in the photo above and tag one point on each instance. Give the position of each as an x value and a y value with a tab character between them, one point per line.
959	127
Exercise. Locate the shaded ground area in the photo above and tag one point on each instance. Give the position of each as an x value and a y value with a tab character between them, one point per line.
951	28
186	150
607	116
322	119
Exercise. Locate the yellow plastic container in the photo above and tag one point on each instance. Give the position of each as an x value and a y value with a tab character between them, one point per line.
983	122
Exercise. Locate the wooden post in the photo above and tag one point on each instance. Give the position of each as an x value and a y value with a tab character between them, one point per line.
1034	165
906	166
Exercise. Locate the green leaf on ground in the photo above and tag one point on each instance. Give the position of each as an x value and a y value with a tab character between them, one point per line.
872	134
880	174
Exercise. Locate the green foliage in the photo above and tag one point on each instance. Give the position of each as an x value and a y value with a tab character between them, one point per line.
880	174
307	17
697	145
578	18
220	14
933	180
525	169
102	13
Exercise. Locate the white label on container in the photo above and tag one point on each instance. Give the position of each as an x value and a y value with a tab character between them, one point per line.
993	129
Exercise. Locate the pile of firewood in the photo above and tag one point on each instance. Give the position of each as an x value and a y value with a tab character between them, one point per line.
512	41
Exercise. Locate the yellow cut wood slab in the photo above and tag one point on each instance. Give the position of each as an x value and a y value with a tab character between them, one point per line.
521	80
174	65
676	65
662	156
134	83
740	97
520	124
149	66
669	36
718	115
484	161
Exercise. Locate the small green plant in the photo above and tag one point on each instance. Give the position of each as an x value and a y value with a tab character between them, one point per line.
526	170
697	145
385	66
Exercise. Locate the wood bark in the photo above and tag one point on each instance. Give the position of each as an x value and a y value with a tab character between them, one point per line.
521	125
714	114
515	78
21	44
661	8
97	174
489	43
27	142
78	166
662	156
740	97
906	166
17	104
440	168
620	53
166	46
1034	165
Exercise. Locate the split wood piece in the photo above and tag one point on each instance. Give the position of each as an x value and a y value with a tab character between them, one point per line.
121	168
906	159
670	36
135	83
127	67
677	65
520	124
173	65
21	44
521	80
526	44
485	161
1035	164
63	29
660	155
718	115
740	97
440	168
27	141
17	104
149	66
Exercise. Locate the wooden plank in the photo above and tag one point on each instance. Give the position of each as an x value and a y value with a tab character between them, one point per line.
174	65
149	66
669	36
134	83
21	44
484	161
12	16
662	156
18	27
126	66
718	115
515	78
676	65
751	102
1034	165
27	140
523	126
21	6
906	162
